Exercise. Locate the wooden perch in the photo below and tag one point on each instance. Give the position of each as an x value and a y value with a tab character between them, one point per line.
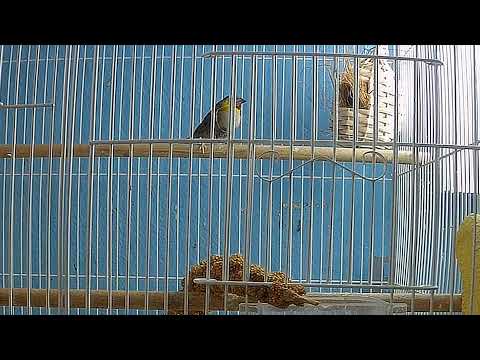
99	300
441	302
183	151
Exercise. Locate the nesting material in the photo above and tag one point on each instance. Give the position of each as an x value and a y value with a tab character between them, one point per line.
366	113
280	294
347	87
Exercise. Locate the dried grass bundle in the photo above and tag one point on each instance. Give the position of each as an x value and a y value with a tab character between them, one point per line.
347	88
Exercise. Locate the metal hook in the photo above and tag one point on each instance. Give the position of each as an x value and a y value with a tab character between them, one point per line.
322	158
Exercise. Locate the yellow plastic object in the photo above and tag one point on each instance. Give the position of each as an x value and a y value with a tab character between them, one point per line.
463	250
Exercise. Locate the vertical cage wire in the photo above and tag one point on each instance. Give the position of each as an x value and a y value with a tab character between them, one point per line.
3	184
475	174
12	193
88	245
24	249
78	210
190	164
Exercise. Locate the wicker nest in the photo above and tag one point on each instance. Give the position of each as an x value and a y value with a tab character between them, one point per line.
347	88
279	294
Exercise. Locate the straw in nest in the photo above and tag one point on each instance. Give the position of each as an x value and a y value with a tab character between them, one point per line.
347	89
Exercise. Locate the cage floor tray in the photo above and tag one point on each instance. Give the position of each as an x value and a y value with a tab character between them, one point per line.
328	305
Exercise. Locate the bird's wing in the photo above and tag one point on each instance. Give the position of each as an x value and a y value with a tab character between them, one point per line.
203	129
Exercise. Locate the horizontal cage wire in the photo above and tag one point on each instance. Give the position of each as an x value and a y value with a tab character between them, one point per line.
336	175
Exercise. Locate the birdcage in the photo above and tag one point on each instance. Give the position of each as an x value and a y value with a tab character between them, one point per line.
111	205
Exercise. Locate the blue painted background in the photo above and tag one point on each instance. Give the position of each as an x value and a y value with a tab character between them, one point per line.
113	121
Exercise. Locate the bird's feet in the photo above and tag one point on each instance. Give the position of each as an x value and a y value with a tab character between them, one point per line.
202	147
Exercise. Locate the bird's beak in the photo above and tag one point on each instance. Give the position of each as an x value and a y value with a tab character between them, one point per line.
240	101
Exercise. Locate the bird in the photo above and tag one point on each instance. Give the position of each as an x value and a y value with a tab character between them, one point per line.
222	120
